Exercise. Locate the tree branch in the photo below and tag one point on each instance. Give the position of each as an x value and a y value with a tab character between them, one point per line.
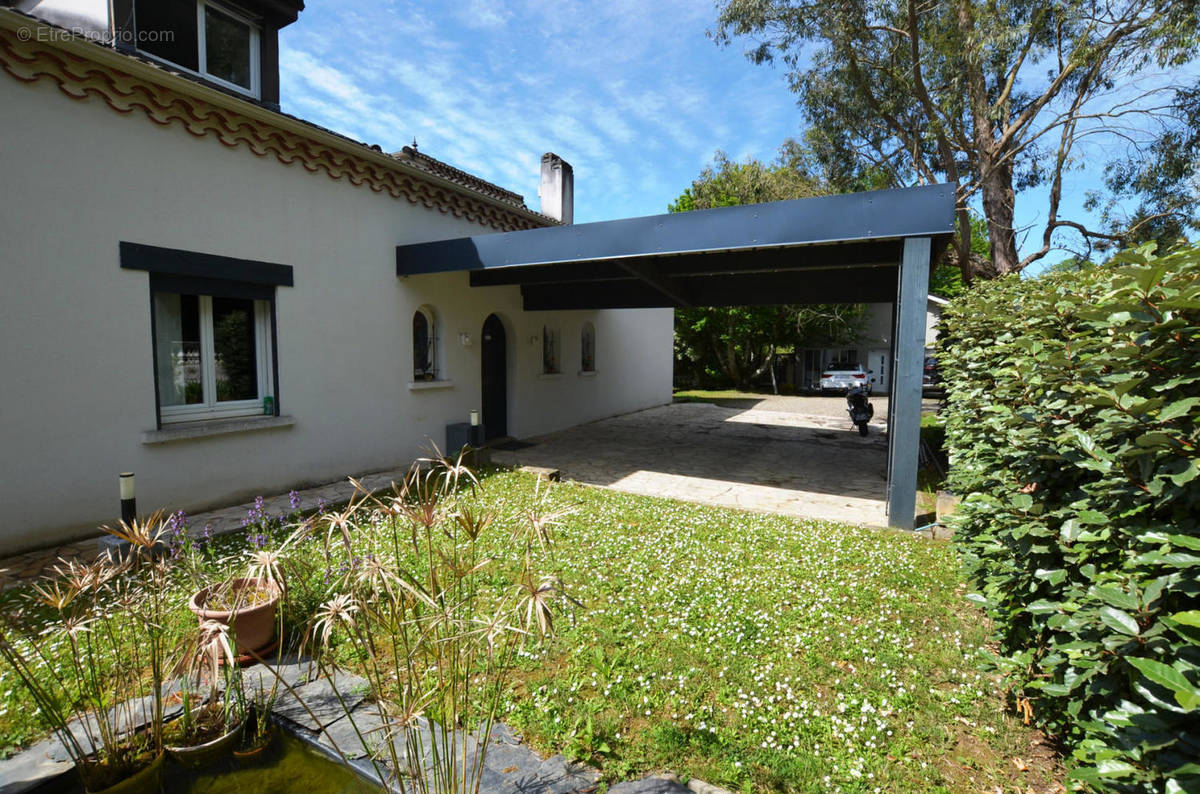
1099	55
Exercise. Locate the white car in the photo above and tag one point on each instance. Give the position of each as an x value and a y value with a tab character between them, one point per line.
841	376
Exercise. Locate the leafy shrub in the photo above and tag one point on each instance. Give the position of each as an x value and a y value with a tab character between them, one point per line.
1072	426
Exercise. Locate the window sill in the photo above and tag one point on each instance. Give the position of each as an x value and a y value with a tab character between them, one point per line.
208	428
587	373
550	376
427	385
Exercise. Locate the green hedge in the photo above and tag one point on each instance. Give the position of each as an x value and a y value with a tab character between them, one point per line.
1073	425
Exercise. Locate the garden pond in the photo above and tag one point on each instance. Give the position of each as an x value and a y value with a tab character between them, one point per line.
286	765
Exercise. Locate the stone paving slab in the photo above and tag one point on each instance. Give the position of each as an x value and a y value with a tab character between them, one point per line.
658	784
358	735
32	767
556	775
127	719
293	671
320	703
805	465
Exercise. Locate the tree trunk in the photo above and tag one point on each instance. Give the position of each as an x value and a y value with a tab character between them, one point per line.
996	188
962	245
731	365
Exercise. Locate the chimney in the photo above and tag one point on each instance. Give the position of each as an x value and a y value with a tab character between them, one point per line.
557	191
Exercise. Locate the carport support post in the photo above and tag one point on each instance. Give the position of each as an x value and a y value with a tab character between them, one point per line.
904	407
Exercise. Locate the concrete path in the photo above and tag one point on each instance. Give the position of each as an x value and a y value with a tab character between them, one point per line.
792	455
22	568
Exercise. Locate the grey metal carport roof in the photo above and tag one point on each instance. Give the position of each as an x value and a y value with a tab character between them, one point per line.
730	256
855	248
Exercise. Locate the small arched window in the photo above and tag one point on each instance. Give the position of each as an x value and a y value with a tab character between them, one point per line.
424	340
551	351
587	348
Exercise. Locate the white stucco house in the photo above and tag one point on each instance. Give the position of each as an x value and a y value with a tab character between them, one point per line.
202	290
872	348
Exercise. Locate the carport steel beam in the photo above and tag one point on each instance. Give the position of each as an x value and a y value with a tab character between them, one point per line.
904	400
880	217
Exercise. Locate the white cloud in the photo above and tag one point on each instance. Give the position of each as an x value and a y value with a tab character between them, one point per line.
483	14
631	93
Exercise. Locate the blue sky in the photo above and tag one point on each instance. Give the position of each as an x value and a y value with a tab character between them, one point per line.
631	92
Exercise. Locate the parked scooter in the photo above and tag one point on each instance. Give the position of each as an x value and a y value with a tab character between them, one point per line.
859	407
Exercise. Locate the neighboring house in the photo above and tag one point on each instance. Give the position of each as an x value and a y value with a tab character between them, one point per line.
872	349
202	290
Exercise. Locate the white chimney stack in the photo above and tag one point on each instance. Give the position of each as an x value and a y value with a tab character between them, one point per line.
557	191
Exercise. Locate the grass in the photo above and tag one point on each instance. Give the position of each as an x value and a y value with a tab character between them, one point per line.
762	652
718	395
756	652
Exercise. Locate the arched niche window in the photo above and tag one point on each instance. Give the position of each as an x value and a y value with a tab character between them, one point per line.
551	351
587	348
424	344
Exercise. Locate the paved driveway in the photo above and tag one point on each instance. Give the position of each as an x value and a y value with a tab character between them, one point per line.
793	455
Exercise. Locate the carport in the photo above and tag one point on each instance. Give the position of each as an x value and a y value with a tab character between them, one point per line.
874	247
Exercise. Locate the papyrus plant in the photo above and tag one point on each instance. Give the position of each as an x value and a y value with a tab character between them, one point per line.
429	619
96	669
210	684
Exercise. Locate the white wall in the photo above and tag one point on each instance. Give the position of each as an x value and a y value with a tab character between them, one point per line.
933	316
75	342
877	330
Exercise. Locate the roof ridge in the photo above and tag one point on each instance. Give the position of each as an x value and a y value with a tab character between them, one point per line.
458	175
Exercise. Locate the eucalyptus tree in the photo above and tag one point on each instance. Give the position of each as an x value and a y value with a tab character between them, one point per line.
994	96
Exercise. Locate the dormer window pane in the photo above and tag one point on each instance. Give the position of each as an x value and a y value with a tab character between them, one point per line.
228	48
201	37
167	29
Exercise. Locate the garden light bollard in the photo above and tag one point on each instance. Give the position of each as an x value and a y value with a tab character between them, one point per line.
128	501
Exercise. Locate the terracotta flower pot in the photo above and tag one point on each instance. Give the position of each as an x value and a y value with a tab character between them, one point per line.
253	623
257	748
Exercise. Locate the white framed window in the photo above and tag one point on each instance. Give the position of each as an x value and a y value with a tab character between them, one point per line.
425	347
213	356
587	348
210	39
551	351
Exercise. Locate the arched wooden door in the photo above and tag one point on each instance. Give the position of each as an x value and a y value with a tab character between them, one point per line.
494	379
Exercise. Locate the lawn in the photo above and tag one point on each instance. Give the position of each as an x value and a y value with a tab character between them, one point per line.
753	651
763	652
718	396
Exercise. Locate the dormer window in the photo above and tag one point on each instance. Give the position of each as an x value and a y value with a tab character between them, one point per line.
209	39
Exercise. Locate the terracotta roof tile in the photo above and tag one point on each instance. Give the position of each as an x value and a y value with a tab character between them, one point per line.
458	176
